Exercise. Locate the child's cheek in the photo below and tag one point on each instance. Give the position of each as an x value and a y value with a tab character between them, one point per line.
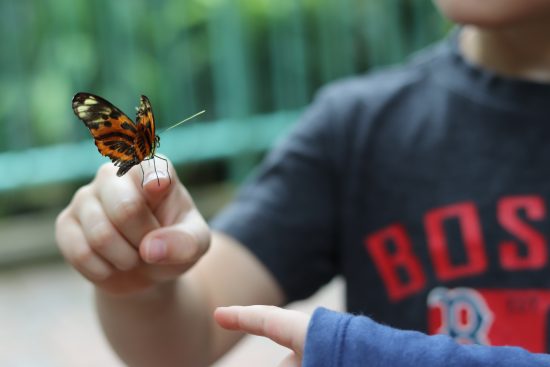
495	13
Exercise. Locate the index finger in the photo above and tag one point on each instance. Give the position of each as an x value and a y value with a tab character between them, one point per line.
156	178
125	206
285	327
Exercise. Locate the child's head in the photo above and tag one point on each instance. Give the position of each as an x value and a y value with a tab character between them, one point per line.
496	13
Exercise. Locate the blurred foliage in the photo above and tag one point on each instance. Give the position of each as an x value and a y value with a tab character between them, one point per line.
231	57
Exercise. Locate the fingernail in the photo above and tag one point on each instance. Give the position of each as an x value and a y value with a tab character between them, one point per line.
152	176
156	250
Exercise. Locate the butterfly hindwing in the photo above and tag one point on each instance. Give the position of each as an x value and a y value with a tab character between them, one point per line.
115	134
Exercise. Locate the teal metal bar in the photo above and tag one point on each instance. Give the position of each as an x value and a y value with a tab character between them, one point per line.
186	56
199	141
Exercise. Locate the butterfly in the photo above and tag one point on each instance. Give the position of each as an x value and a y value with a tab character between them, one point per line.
125	142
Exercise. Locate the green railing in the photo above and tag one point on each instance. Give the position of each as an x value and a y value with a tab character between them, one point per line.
201	142
252	64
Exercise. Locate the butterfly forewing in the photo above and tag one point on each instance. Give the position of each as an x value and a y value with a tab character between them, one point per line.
115	135
114	132
145	122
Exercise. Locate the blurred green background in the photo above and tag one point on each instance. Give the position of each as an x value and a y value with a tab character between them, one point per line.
251	64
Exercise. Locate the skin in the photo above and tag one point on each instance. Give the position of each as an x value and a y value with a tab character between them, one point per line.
160	273
285	327
509	37
141	248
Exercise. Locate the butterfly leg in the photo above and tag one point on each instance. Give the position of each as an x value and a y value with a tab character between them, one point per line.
155	168
142	174
167	170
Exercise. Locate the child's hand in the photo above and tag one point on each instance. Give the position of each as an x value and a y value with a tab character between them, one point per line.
126	238
285	327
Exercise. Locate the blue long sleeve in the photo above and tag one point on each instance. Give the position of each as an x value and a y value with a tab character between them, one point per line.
338	339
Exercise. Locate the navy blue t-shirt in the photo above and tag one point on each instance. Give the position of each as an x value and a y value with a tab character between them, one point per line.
426	186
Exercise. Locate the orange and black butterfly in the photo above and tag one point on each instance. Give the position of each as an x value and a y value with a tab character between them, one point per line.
125	142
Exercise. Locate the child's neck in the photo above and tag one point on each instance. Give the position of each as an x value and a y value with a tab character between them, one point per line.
523	52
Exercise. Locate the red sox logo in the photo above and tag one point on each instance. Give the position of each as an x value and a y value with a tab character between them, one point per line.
463	314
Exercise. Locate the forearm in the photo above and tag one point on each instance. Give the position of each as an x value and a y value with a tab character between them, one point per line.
172	325
335	339
165	326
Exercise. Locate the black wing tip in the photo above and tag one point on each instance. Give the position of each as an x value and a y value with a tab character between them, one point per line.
78	98
81	96
124	168
143	99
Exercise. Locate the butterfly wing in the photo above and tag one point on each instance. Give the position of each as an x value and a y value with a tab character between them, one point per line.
114	133
146	140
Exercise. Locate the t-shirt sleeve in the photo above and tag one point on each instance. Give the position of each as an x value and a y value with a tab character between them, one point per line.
285	215
338	340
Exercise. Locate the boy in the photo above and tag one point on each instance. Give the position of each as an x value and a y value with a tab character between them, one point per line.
424	184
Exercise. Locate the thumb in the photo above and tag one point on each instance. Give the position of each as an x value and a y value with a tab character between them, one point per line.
182	243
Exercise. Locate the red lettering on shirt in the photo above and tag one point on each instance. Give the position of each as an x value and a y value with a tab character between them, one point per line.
403	274
535	254
470	229
390	261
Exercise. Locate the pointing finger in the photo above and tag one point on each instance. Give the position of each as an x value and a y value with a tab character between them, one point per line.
157	178
285	327
126	208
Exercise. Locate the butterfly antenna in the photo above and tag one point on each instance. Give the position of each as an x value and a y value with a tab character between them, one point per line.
181	122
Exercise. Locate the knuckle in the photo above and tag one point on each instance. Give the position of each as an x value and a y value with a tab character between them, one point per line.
203	246
96	274
206	239
105	170
193	250
202	236
191	244
81	194
61	224
100	236
85	261
127	210
81	256
60	220
129	262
